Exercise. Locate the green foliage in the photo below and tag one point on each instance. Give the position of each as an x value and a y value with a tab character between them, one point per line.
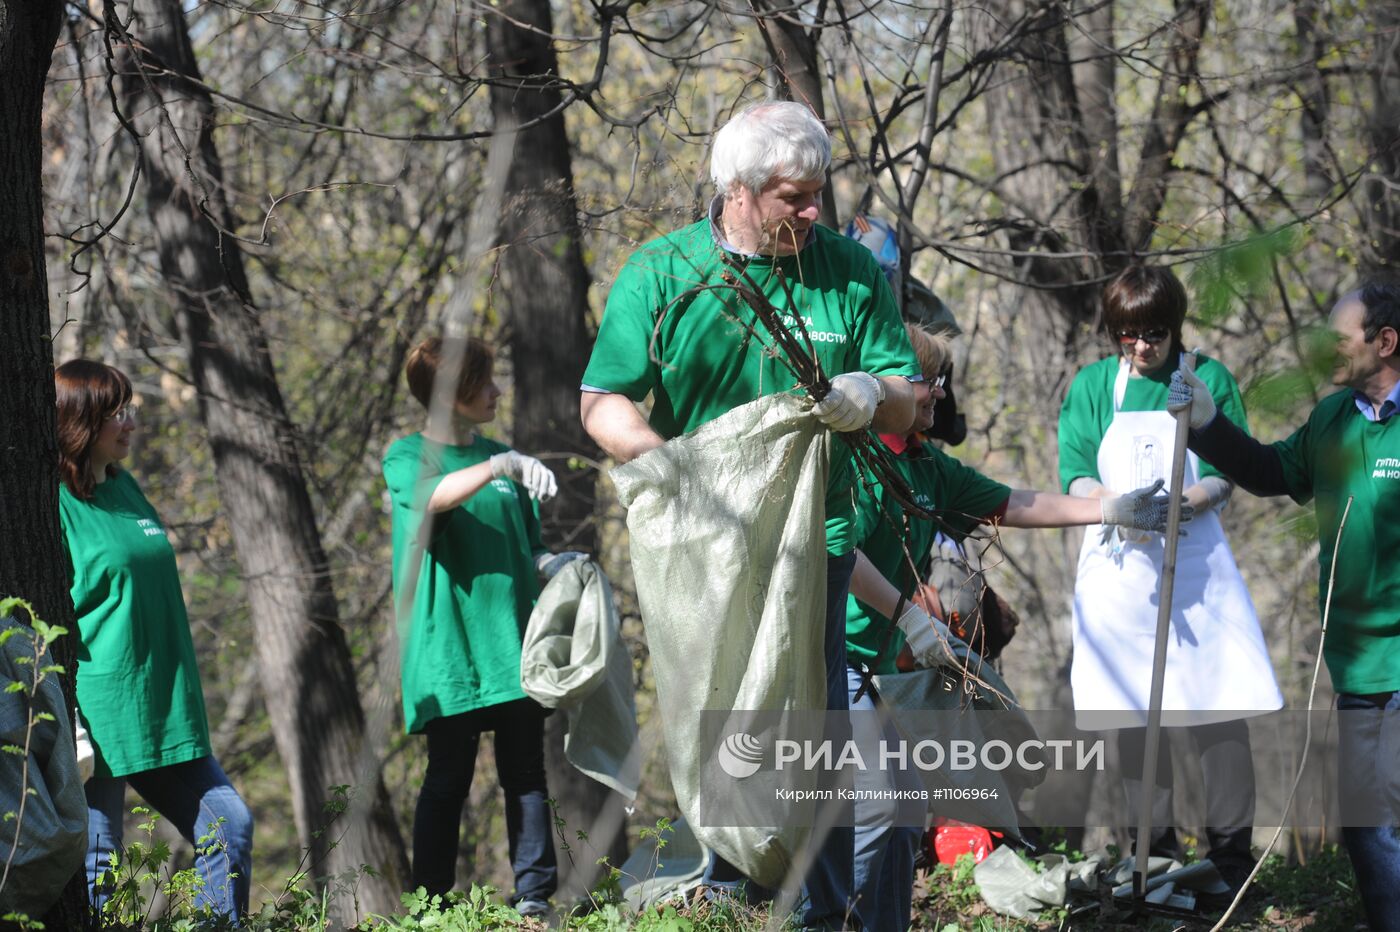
477	910
1245	268
956	884
1324	888
41	636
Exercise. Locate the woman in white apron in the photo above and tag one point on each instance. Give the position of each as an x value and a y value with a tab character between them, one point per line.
1115	434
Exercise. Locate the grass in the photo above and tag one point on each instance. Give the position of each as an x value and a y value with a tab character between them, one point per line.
1319	896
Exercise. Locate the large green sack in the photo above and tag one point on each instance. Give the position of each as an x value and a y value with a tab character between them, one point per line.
728	543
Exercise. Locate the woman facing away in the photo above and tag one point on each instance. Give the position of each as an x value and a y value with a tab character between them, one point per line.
466	564
138	685
1116	433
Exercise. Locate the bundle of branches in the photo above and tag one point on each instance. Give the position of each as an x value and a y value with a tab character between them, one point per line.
797	353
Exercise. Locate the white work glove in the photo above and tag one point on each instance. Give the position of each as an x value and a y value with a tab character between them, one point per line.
548	565
1143	510
87	756
526	470
1188	389
928	638
850	404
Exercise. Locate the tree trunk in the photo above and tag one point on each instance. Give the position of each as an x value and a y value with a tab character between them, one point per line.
33	559
792	47
1380	200
1051	209
1171	112
544	291
307	675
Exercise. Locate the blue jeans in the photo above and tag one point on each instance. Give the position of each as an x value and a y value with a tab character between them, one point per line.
1369	772
887	833
437	820
193	797
825	901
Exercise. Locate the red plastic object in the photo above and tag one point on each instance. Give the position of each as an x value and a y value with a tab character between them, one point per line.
953	839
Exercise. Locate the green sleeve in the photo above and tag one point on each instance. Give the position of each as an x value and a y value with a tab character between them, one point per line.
409	485
1295	455
964	496
879	333
1082	425
622	359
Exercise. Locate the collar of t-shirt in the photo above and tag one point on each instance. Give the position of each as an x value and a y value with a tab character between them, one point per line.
717	231
899	444
1388	407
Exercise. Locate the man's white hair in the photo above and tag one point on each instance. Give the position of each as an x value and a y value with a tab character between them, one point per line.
774	139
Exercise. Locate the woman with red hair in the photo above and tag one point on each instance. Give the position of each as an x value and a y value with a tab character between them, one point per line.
138	684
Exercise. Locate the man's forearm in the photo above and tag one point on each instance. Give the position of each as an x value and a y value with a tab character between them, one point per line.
896	414
1251	465
616	425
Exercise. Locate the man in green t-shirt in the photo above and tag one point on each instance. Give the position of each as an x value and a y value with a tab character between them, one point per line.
675	331
1347	455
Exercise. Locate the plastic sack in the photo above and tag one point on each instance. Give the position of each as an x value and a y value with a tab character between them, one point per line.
728	542
52	834
968	689
573	658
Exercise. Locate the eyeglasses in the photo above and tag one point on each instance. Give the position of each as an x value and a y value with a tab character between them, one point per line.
1154	336
126	414
941	380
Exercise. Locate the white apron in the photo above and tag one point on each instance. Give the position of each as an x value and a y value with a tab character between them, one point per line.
1218	668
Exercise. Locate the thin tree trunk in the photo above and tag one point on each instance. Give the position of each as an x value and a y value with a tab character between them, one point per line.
1313	93
1095	67
33	559
544	290
1171	112
1380	199
307	675
792	47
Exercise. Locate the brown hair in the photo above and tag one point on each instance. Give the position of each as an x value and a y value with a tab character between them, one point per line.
421	369
89	392
1142	297
931	349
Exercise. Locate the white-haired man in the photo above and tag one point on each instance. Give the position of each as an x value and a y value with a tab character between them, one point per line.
673	330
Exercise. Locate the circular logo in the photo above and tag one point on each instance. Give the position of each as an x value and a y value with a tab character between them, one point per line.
740	755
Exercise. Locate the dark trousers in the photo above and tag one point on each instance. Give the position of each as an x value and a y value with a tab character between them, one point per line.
437	820
1369	781
1227	769
827	889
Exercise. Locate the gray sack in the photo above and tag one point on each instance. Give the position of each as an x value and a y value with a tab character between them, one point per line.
573	658
728	543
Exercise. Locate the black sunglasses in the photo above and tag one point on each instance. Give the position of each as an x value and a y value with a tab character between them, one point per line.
1154	336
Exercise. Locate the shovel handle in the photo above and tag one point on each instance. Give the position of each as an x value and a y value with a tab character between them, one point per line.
1159	655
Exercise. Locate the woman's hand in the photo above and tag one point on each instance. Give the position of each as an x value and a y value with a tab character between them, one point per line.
526	470
548	564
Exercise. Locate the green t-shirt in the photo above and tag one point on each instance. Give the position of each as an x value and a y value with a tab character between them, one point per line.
672	329
1088	410
960	496
138	683
476	582
1339	454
